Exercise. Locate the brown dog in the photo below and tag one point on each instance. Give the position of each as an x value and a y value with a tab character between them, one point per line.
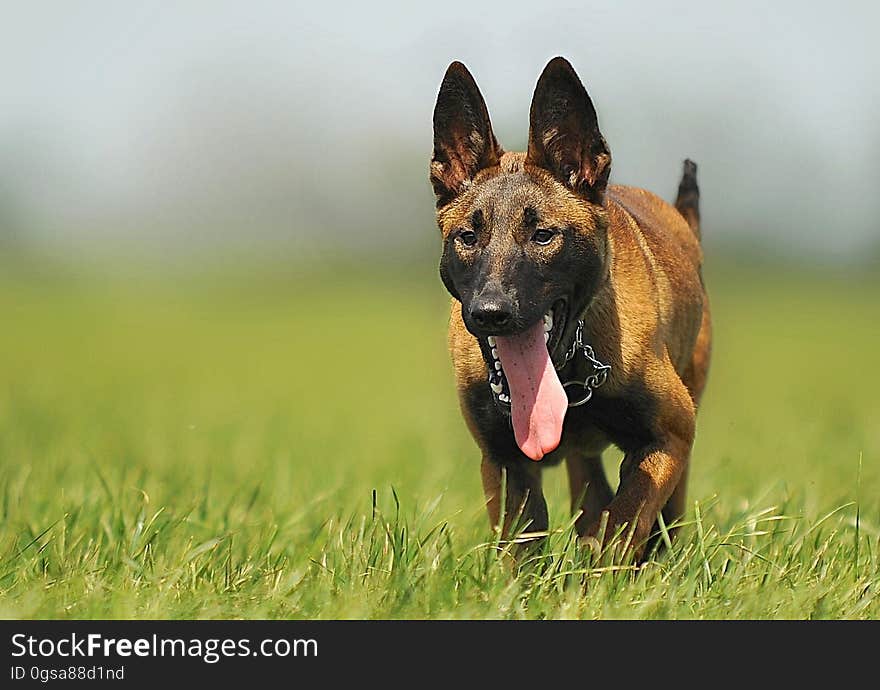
579	317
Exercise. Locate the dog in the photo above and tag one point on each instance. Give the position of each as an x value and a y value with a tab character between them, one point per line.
579	315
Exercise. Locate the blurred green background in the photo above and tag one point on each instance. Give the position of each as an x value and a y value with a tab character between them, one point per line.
306	382
218	279
209	445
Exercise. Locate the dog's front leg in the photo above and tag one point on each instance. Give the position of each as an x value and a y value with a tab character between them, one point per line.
649	474
523	506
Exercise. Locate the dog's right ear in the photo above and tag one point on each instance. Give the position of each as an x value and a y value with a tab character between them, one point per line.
463	140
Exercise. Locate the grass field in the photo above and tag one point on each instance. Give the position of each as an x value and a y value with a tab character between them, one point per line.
209	448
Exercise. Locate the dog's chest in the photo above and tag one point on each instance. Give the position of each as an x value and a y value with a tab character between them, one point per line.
624	421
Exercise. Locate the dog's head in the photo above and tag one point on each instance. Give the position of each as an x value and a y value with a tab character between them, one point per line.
524	235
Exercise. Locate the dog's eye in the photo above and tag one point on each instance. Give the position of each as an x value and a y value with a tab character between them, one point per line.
543	236
467	237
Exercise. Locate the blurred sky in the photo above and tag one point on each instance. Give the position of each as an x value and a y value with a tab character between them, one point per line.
307	127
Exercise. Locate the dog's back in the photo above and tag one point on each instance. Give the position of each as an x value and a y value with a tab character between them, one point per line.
657	260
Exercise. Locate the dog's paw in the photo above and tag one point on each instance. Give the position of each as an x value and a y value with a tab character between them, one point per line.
615	537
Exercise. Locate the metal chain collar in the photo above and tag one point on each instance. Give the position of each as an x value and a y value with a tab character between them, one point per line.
600	371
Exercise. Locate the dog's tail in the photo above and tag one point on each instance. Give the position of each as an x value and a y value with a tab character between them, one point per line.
688	201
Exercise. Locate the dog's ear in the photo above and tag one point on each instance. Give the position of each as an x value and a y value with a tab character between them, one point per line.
564	136
463	140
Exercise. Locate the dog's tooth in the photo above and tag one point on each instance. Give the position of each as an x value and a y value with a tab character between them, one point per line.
504	398
494	353
496	388
546	337
491	340
497	365
548	322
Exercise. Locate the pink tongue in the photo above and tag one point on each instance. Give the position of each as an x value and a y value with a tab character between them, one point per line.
537	399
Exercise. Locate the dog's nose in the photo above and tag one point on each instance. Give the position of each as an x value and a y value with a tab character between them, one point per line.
492	313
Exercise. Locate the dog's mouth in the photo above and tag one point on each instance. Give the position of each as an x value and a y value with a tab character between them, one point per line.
524	383
554	323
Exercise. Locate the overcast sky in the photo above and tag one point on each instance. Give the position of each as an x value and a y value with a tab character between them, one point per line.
276	121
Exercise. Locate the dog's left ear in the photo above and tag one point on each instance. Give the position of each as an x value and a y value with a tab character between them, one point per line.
463	140
564	136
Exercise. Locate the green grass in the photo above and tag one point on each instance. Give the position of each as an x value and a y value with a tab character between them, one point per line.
210	448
